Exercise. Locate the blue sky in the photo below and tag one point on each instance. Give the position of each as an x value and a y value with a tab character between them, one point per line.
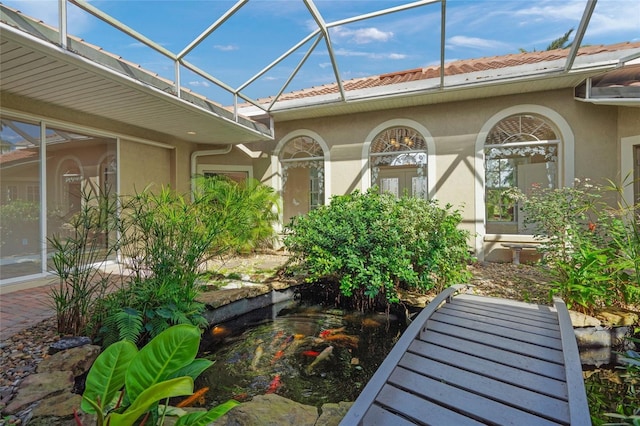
264	29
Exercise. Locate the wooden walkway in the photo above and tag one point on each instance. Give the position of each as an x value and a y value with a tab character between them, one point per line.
471	360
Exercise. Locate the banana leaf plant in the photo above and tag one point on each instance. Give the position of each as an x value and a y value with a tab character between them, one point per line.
125	385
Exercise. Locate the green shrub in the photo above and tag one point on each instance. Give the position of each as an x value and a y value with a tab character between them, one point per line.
372	244
592	248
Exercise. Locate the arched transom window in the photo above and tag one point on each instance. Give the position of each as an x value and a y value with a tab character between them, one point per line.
398	158
521	151
302	161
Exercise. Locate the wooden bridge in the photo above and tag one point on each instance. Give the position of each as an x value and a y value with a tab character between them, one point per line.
472	360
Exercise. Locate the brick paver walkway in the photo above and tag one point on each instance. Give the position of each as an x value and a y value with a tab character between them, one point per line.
21	309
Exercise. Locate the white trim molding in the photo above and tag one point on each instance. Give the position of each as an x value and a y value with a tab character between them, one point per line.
277	170
365	180
566	159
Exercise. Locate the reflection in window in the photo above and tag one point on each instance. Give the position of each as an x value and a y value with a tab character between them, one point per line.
521	151
75	164
302	161
398	158
20	240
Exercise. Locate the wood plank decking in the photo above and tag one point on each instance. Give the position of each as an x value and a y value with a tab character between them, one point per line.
471	360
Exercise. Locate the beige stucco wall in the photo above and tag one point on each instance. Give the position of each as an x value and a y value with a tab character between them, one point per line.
154	172
455	128
628	121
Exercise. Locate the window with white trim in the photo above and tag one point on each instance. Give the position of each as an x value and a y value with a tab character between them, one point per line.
302	163
521	151
398	158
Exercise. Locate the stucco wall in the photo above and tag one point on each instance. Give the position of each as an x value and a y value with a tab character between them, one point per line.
136	174
455	128
628	121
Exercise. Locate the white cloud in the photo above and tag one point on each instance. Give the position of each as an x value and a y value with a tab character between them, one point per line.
474	43
199	84
362	35
369	55
225	48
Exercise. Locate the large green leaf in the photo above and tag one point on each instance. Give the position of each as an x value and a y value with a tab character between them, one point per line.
203	419
107	375
159	391
194	369
166	353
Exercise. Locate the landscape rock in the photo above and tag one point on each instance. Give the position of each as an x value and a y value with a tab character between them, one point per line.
39	386
613	317
269	410
61	405
77	360
333	413
578	319
66	343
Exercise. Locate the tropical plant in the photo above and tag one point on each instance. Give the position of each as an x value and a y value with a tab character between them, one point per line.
165	240
248	210
373	244
125	384
559	43
78	259
591	248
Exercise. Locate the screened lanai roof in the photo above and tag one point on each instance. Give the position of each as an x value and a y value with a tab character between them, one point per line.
193	87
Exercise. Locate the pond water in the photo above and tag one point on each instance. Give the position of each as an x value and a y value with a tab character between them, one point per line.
309	354
283	349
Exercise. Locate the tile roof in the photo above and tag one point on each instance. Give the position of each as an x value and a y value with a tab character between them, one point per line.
18	155
454	68
627	76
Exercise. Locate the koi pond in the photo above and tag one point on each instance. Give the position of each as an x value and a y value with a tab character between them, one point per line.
309	354
316	355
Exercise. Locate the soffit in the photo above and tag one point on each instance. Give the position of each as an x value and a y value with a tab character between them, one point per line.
36	69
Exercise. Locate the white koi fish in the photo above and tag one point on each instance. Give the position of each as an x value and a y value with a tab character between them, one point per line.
321	357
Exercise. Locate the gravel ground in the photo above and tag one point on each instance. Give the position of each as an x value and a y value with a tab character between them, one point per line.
21	353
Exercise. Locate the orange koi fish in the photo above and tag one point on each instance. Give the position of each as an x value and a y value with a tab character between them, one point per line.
274	385
310	353
198	396
277	356
220	332
369	322
343	339
241	397
331	331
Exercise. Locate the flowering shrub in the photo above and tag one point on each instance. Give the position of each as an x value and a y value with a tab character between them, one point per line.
592	247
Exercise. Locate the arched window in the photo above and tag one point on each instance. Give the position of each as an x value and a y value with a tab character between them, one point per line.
302	161
398	158
521	151
71	178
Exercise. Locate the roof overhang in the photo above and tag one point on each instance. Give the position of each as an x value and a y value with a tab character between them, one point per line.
37	69
544	76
